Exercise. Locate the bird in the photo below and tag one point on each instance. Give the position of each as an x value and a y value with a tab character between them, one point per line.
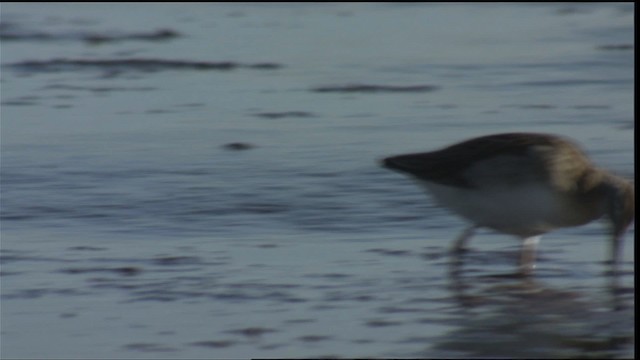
522	184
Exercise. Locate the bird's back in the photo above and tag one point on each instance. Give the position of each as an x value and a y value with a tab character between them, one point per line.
500	159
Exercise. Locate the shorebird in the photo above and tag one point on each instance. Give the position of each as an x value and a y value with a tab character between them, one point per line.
523	184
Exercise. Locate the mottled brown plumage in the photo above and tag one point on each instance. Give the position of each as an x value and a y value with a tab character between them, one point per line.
523	184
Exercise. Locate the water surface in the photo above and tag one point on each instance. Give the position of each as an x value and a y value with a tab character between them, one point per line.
201	180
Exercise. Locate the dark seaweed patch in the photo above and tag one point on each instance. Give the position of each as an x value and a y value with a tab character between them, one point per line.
158	35
284	114
116	66
252	331
213	343
390	252
18	102
616	47
364	88
15	33
86	248
238	146
314	338
177	260
532	106
382	323
123	270
97	89
149	347
591	107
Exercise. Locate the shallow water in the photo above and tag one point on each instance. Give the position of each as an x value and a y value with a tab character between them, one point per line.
201	181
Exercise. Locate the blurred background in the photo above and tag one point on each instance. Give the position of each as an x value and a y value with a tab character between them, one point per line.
201	180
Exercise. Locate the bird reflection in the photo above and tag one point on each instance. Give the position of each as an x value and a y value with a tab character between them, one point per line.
513	316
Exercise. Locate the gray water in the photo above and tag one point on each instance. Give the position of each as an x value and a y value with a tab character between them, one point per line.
201	180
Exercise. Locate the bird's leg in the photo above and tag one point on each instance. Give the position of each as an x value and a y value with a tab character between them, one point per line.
616	252
528	254
460	243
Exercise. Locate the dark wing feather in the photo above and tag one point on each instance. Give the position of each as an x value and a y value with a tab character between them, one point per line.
447	166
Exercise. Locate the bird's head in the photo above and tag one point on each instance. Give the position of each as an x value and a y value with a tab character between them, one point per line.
620	211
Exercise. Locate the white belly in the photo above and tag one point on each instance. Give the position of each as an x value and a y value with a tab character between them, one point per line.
524	210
